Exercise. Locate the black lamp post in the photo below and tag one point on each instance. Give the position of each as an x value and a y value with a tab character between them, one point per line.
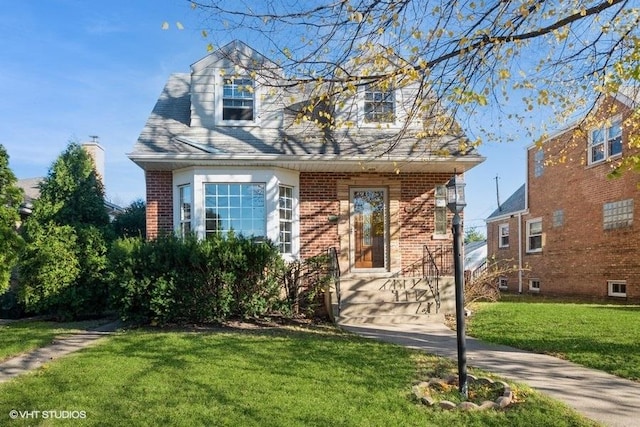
456	203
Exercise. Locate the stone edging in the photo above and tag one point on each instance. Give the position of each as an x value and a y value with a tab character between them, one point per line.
425	398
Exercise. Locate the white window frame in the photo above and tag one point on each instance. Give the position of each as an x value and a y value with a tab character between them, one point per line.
503	283
612	292
606	140
285	214
271	176
387	97
501	235
219	97
185	215
242	205
534	285
529	223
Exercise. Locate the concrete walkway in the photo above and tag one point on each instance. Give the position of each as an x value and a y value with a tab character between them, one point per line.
602	397
23	363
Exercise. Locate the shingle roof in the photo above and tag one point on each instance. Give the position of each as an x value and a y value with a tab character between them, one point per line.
515	203
168	133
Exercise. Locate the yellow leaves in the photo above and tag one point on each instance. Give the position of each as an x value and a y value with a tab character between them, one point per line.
165	25
504	74
287	53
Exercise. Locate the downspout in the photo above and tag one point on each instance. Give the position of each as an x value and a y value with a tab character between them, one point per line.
520	252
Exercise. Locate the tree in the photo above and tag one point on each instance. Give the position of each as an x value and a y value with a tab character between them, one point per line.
132	222
554	60
10	200
63	265
473	235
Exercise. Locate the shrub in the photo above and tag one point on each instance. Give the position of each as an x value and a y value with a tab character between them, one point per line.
182	280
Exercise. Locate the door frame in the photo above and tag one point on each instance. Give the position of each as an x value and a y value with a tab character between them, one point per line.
386	228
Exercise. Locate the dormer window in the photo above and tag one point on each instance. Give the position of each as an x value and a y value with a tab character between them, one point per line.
238	99
379	105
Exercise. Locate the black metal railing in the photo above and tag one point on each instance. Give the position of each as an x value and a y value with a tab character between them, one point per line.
437	261
334	272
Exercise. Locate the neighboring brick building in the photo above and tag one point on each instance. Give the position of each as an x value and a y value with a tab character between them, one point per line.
222	150
571	228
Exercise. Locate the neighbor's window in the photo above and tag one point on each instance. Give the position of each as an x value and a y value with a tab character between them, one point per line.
185	209
617	214
558	218
379	104
538	163
534	235
503	283
237	99
503	232
534	285
237	207
617	288
285	204
440	212
605	141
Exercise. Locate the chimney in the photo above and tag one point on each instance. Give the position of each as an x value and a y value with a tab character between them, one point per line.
95	150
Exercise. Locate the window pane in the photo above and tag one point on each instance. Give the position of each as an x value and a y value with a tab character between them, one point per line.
237	206
237	102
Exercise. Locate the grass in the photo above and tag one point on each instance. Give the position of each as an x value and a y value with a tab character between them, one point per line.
267	377
599	336
22	336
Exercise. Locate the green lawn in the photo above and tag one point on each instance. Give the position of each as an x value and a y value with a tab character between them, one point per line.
269	377
600	336
23	336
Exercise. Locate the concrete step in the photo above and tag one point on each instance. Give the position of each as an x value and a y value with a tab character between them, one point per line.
391	319
387	295
387	308
381	283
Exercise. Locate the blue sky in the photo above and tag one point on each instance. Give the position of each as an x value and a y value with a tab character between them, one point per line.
74	68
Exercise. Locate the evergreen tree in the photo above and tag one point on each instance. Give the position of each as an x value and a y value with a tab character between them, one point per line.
10	199
133	221
64	264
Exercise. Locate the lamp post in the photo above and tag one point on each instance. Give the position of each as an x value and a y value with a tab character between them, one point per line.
456	203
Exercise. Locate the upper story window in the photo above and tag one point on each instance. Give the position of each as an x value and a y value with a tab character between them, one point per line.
237	207
379	105
538	163
503	236
237	99
534	235
605	141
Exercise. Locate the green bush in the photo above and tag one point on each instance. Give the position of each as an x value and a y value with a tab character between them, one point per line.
182	280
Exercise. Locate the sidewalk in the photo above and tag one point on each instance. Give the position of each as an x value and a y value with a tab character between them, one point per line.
60	347
602	397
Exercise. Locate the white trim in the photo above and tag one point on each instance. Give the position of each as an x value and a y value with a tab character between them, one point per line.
610	291
534	288
604	126
271	177
218	102
500	228
501	286
528	236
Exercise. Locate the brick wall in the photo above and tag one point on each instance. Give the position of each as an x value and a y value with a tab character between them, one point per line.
578	256
159	202
411	212
505	258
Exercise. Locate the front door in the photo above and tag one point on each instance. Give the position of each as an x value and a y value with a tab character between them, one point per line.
369	227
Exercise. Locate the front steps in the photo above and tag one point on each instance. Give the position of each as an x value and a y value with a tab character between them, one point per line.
389	300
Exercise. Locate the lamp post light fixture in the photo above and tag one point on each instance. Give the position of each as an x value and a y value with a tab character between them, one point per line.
456	203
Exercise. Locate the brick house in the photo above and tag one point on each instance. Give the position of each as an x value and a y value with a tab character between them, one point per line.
222	149
570	230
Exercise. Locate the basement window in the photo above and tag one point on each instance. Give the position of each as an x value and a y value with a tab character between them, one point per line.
534	285
617	288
